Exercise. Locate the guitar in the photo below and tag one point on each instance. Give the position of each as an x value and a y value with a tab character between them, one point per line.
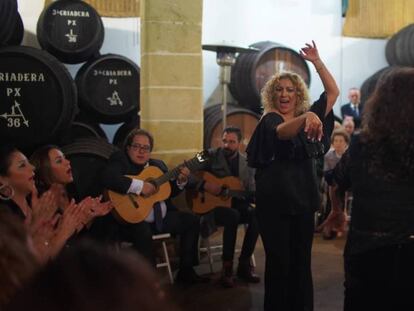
203	202
133	208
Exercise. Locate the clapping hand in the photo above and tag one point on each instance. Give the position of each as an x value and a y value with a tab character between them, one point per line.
93	207
43	207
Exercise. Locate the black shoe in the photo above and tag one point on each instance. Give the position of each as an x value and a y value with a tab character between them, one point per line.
227	281
188	277
246	273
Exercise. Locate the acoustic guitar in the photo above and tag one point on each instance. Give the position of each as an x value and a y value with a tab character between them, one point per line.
203	202
133	208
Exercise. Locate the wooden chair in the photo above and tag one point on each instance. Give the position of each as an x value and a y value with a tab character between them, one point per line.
165	263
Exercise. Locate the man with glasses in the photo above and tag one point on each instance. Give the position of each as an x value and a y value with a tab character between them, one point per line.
224	162
164	217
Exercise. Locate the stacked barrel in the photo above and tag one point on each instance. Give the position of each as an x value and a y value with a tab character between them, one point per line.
399	52
248	76
40	102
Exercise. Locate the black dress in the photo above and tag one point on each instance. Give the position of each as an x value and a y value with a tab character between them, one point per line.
12	207
379	252
286	198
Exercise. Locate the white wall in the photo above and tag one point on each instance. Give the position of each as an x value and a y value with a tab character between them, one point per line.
291	23
243	22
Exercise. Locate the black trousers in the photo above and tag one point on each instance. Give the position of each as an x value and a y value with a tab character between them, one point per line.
184	224
380	279
287	241
230	218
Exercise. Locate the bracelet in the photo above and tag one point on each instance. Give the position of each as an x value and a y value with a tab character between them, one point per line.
320	67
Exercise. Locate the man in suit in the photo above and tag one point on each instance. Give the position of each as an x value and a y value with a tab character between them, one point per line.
354	107
164	217
228	161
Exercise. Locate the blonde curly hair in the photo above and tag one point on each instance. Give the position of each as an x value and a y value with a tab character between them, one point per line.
268	93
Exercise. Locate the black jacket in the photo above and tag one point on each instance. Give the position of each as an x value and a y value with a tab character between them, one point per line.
113	177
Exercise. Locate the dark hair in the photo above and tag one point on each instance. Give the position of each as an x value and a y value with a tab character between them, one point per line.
6	151
138	132
235	130
340	133
390	147
87	277
43	172
17	262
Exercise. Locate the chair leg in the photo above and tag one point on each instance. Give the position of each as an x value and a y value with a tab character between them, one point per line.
209	254
167	261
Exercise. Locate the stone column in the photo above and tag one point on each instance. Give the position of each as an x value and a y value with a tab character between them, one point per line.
171	77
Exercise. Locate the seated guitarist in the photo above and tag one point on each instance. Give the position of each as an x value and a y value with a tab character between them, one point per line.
228	161
164	217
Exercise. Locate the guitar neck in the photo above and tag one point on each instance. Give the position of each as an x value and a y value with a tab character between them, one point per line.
192	165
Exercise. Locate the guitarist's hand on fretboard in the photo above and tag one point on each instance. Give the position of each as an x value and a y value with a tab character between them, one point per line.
182	178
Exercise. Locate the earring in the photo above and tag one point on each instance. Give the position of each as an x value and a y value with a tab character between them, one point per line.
8	190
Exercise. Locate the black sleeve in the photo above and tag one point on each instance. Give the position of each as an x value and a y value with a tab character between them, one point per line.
113	175
261	148
319	108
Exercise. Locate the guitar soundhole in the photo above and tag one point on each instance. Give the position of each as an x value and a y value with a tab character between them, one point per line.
225	193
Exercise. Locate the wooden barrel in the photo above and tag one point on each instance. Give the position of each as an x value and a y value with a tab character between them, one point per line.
88	157
252	70
71	30
124	130
38	97
18	32
238	116
8	19
109	88
368	86
83	127
400	47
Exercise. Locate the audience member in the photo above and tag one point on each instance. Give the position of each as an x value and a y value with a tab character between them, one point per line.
18	261
349	126
19	195
354	107
86	277
53	169
340	142
379	169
